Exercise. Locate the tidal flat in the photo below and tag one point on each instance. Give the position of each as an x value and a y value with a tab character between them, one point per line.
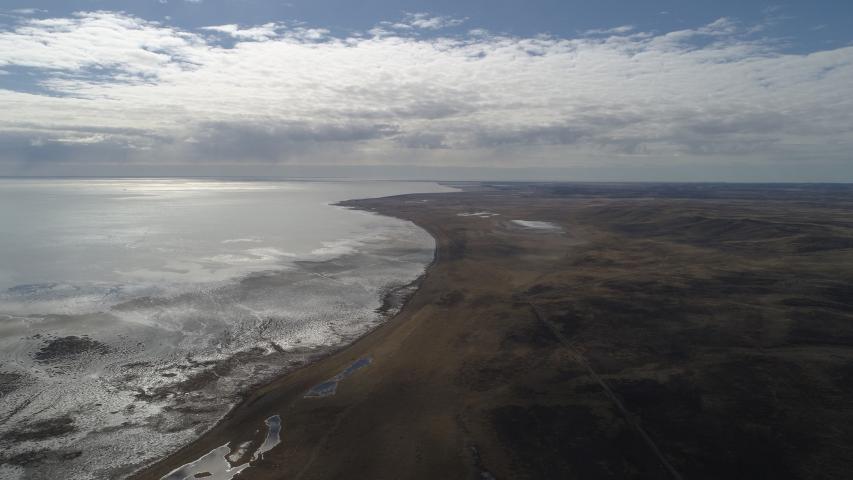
138	312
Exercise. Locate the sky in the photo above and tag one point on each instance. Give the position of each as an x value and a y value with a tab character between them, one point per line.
651	90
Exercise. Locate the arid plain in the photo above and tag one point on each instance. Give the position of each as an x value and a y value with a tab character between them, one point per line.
698	331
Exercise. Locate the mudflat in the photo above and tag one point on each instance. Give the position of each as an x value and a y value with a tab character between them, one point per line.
586	331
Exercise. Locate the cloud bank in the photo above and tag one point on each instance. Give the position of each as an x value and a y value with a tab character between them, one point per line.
114	89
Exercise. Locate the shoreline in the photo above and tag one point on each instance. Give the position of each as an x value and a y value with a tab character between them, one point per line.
404	295
328	297
633	302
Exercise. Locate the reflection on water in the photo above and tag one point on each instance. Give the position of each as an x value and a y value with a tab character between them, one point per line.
213	465
538	225
272	439
217	464
330	386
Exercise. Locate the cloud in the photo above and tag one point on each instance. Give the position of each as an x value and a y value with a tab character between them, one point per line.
620	30
269	31
27	11
269	141
117	88
431	22
414	22
422	140
262	32
100	40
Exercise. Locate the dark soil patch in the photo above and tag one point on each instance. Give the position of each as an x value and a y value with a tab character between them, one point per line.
43	429
63	347
9	382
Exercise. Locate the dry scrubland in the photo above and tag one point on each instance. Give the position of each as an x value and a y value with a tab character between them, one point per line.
704	331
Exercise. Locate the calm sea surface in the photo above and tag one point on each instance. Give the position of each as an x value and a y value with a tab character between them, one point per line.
119	297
